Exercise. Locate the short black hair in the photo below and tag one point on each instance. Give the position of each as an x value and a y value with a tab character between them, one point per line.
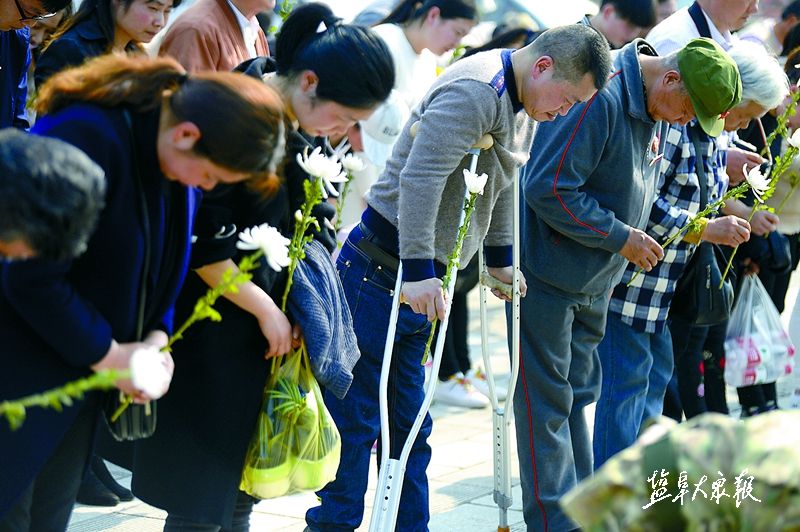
640	13
791	9
576	50
51	194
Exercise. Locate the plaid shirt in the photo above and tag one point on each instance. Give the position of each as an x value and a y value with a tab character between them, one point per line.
644	305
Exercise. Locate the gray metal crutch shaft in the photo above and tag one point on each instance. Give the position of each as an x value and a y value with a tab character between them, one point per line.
502	416
392	471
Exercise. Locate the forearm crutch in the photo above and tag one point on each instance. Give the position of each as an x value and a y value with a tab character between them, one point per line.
502	416
392	471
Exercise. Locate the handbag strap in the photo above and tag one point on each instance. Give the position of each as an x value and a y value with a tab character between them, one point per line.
700	22
144	214
700	166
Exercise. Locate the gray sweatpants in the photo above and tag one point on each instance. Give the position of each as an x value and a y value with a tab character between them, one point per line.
559	375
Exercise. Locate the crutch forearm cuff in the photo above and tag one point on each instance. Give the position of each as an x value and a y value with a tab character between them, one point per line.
498	256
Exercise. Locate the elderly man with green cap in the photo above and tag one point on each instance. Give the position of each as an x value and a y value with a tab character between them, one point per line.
588	190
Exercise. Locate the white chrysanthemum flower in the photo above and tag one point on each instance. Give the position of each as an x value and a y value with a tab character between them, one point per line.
274	245
328	170
319	165
352	163
329	184
149	372
759	183
794	140
475	182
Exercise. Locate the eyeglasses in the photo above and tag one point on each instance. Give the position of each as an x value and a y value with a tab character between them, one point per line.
24	18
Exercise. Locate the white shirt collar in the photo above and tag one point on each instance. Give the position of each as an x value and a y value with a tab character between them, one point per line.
726	39
249	29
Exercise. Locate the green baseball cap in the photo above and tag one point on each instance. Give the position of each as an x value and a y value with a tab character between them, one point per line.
712	80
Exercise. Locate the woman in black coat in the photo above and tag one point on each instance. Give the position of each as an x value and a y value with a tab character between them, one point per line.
145	123
100	27
192	466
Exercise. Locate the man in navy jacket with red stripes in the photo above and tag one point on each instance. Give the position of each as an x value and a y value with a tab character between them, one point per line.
587	191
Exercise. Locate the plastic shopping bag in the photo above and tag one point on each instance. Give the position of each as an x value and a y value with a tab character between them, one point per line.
296	445
757	347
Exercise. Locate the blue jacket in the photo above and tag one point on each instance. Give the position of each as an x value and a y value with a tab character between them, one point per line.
591	177
318	303
56	319
15	58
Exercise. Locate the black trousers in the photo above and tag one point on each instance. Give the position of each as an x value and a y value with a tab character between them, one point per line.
241	519
698	352
47	503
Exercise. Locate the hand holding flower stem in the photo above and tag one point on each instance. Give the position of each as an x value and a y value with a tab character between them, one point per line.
712	208
144	368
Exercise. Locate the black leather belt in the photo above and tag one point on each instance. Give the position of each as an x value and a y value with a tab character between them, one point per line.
376	253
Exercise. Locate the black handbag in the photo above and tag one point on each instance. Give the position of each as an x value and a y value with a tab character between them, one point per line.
137	421
698	298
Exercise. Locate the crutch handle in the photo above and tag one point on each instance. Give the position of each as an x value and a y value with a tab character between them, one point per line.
414	129
494	283
484	143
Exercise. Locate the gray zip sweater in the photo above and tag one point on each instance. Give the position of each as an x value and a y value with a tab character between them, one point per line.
420	193
592	177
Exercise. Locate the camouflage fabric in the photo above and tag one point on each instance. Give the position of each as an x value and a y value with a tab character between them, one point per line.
751	470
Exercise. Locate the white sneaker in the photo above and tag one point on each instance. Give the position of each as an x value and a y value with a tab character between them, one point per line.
457	391
477	378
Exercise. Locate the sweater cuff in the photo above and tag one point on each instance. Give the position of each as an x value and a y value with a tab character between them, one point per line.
418	269
498	256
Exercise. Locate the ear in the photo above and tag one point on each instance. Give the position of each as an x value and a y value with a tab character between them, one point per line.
607	10
184	135
433	14
308	81
541	65
672	77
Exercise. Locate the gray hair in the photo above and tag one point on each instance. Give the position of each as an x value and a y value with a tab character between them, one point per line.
51	194
763	79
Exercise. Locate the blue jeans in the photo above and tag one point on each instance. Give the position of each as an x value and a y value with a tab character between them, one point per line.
636	367
369	290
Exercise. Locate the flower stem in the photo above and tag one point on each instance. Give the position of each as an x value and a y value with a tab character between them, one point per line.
340	204
730	259
58	398
313	196
734	193
453	263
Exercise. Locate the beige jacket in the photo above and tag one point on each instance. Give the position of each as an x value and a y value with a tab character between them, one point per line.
207	36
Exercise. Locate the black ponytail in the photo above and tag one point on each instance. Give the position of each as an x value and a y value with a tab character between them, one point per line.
353	64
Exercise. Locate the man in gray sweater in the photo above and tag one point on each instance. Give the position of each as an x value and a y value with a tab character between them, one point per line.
587	191
413	215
